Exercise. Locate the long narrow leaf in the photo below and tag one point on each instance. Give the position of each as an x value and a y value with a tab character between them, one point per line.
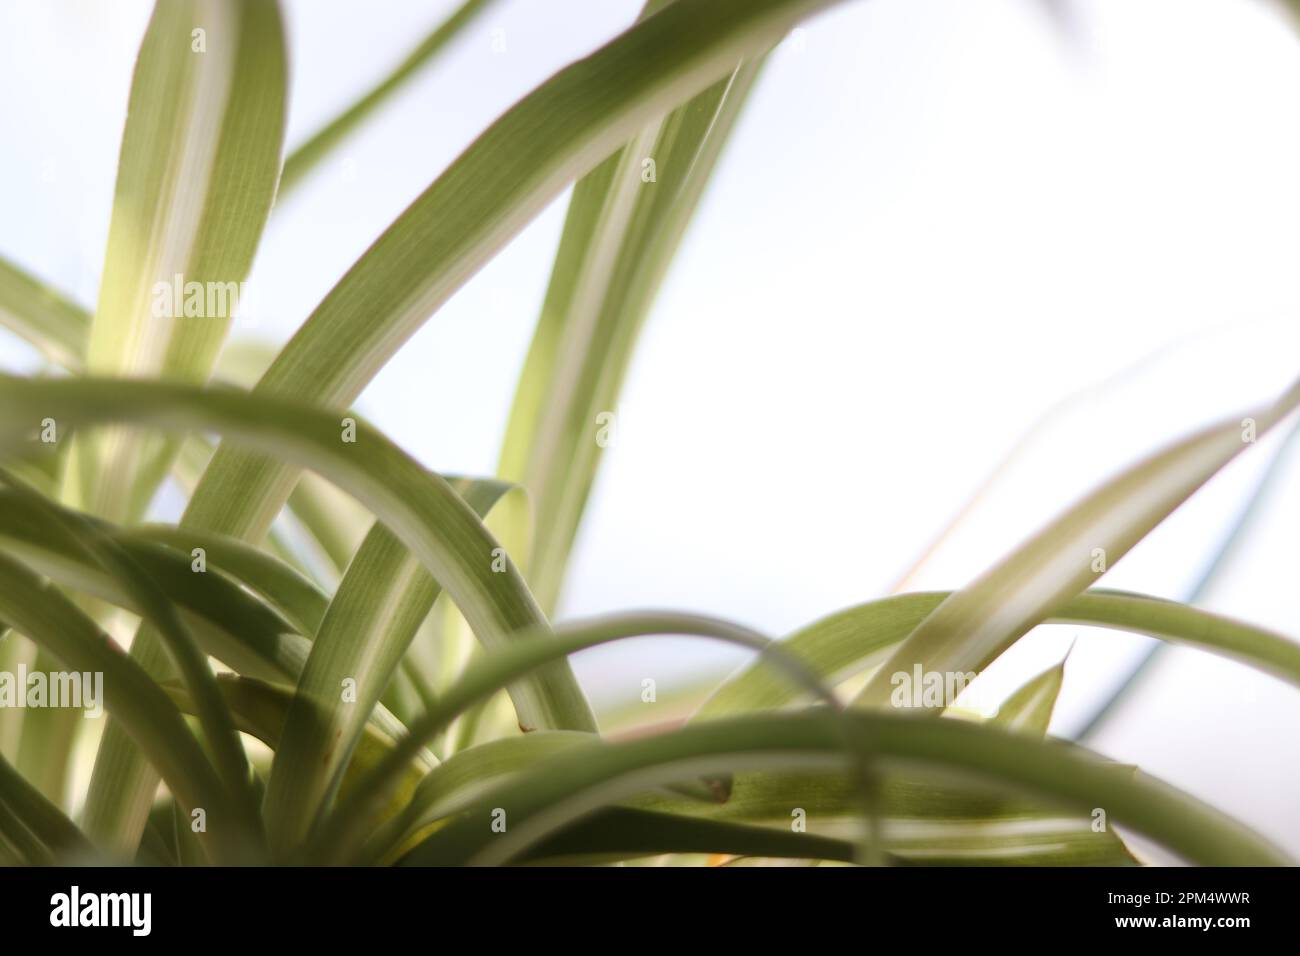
144	710
251	635
47	319
849	641
309	154
380	604
419	507
198	168
543	802
44	820
976	624
218	726
343	829
624	224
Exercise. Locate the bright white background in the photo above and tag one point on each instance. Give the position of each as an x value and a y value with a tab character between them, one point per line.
939	221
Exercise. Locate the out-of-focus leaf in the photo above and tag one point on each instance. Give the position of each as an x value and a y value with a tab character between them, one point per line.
543	802
1029	709
344	829
197	172
54	324
192	664
26	807
310	153
260	708
976	624
234	626
625	221
419	507
852	640
380	604
144	710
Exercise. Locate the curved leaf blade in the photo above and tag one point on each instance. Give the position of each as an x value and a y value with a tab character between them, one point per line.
573	785
974	625
849	641
303	159
48	320
419	507
197	173
381	602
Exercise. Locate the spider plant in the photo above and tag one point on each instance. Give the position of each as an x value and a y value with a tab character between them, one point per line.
337	656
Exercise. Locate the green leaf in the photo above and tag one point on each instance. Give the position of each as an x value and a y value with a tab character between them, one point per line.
261	708
187	469
1029	709
343	830
572	785
921	821
833	648
251	635
1249	515
310	153
381	602
55	325
335	522
619	237
197	173
55	836
15	651
218	726
849	641
460	780
978	623
419	507
622	833
422	509
299	601
18	845
148	716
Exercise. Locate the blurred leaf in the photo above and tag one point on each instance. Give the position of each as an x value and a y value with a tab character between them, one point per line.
300	602
144	710
192	664
418	506
234	625
484	198
621	833
543	802
54	834
947	821
54	324
197	173
852	640
975	625
344	829
380	604
619	237
309	154
261	708
1029	709
922	821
